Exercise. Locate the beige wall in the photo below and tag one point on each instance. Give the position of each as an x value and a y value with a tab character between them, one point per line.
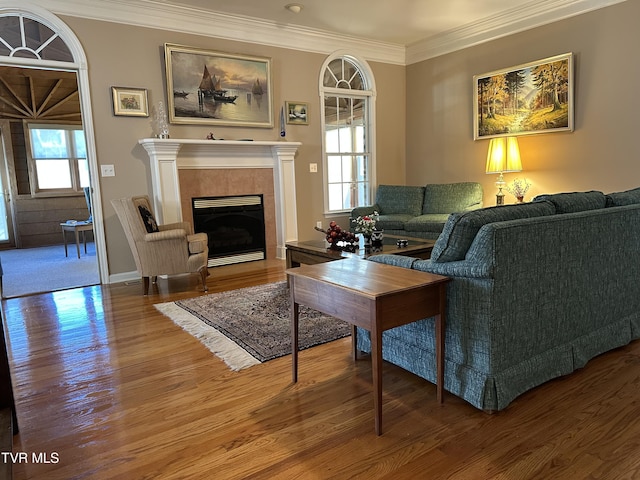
120	55
603	151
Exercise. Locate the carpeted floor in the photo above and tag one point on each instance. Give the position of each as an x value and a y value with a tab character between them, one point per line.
46	269
248	326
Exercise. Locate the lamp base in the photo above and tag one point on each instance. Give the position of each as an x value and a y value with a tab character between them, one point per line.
500	198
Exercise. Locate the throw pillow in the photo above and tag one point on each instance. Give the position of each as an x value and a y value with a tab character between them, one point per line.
148	220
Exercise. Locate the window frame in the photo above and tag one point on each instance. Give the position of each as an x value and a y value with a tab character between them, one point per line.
73	160
368	94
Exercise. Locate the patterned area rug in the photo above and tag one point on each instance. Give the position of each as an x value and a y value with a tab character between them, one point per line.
249	326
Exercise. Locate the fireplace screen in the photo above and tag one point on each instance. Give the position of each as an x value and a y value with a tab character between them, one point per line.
235	226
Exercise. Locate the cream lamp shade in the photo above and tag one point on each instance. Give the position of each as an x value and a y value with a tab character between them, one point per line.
503	156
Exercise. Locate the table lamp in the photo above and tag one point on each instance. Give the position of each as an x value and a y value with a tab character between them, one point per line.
503	156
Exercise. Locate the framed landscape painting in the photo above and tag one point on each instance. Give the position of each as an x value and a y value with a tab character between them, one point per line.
532	98
129	102
215	88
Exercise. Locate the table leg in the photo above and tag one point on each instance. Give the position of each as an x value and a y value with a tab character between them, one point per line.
77	241
294	332
376	360
354	342
64	239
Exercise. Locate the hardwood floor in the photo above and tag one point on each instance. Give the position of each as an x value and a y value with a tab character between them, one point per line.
108	388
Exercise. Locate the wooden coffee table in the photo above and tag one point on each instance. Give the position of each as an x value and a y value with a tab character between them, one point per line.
316	251
373	296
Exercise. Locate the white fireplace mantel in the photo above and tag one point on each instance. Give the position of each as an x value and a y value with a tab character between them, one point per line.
169	155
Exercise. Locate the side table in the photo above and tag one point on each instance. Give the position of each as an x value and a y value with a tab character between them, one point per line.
372	296
76	228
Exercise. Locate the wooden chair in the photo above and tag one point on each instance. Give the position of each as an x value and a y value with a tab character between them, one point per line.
161	249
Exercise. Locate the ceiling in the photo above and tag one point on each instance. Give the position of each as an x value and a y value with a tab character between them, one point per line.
397	21
396	31
33	94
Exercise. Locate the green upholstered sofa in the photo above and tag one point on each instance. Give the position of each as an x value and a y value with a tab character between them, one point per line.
416	211
537	290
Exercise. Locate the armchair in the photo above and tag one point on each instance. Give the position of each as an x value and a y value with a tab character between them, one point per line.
161	249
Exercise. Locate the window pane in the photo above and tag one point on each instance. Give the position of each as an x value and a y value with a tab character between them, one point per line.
347	169
47	143
359	140
331	140
335	196
81	148
334	169
346	196
83	170
363	194
53	174
345	140
362	168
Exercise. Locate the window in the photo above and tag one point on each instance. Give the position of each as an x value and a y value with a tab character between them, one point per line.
347	116
57	159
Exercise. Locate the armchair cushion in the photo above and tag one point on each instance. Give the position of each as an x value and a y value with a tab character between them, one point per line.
620	199
148	220
575	201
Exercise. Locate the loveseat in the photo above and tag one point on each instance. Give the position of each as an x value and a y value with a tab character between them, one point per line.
537	290
420	211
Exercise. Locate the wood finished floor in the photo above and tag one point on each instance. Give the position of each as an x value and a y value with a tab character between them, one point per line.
117	391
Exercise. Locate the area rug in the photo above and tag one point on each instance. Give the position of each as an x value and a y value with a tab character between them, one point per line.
251	325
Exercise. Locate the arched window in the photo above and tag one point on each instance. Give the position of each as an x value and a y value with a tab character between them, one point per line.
347	95
24	37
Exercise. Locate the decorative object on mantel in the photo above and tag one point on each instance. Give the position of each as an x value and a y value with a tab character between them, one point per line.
206	87
538	98
503	156
518	189
339	239
297	113
160	124
130	102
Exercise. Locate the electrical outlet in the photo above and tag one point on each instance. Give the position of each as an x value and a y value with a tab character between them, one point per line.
108	170
313	167
319	224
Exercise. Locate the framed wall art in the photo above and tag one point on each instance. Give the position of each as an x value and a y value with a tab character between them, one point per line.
535	97
130	101
214	88
297	113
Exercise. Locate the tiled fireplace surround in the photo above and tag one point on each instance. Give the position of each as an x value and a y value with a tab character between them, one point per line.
182	169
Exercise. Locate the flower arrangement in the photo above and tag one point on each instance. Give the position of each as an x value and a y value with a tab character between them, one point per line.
366	224
518	188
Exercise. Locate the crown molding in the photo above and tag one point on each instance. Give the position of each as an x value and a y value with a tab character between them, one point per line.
525	17
159	15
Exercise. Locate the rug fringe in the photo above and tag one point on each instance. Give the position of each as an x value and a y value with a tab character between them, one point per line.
236	357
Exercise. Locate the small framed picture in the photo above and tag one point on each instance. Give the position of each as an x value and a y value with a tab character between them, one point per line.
131	102
297	113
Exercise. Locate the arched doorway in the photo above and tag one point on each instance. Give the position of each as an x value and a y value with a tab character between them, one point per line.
33	38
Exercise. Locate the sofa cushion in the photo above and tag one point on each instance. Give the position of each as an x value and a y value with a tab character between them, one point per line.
432	222
392	222
620	199
575	201
395	199
461	228
452	197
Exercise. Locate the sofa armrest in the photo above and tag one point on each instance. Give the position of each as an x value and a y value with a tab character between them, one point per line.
460	268
366	210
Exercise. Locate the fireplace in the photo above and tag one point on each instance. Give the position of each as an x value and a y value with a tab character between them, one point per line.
235	226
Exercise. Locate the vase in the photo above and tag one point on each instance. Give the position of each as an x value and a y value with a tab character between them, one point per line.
376	238
520	199
366	240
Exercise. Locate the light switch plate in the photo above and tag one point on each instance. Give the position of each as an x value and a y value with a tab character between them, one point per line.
313	167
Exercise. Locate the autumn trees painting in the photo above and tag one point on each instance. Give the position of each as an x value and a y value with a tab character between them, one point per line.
533	98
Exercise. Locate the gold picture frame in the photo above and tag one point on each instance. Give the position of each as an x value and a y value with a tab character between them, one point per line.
535	97
214	88
297	113
130	102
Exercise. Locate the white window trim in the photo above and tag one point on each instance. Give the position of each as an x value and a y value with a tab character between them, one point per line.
370	93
